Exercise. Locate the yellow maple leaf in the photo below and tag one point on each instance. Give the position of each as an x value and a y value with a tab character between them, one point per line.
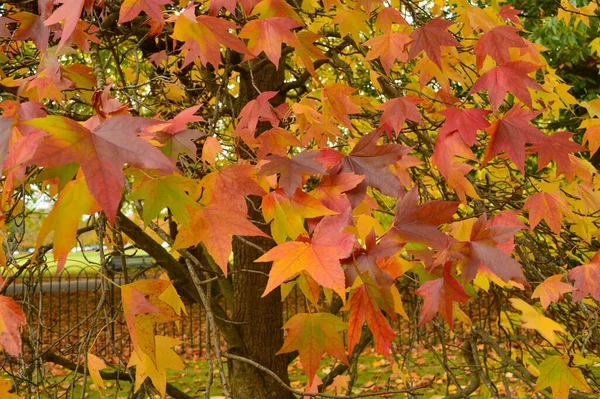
157	372
533	320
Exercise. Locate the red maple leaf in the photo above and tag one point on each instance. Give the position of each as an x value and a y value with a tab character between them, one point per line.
319	256
510	77
364	260
466	121
101	152
508	13
202	36
268	34
496	44
69	11
430	38
364	308
482	251
557	148
291	169
389	47
439	296
510	134
447	146
11	318
586	280
258	110
32	27
313	334
132	8
420	223
396	111
372	160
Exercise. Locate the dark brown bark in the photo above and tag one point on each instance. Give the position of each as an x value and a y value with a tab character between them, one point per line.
260	319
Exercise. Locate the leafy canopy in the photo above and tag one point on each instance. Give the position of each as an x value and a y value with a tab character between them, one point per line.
392	134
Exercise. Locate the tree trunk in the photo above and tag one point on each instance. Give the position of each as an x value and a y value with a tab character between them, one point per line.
260	319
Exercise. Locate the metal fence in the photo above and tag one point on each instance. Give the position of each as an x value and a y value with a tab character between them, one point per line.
65	307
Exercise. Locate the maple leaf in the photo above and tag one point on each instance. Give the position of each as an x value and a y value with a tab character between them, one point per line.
586	280
386	16
291	169
430	38
100	152
32	27
483	251
276	141
180	121
166	191
132	8
73	202
307	51
11	318
69	11
275	8
447	146
331	190
548	206
229	187
83	34
94	365
509	13
145	307
210	149
145	367
510	134
556	148
371	160
458	181
312	335
174	144
351	22
556	373
439	296
592	134
338	103
174	136
396	111
320	256
214	226
532	319
364	260
268	34
510	77
339	384
389	47
217	5
496	44
419	223
364	308
258	110
288	213
203	34
466	121
551	290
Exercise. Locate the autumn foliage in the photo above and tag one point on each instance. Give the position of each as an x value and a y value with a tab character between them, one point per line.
353	147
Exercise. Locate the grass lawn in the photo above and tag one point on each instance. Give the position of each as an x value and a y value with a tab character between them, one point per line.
78	263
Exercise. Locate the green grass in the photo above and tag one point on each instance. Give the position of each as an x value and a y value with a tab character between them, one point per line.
84	263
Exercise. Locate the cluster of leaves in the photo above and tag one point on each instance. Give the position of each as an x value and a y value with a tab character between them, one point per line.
401	140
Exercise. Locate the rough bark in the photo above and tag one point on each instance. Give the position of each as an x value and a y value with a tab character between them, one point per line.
259	320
